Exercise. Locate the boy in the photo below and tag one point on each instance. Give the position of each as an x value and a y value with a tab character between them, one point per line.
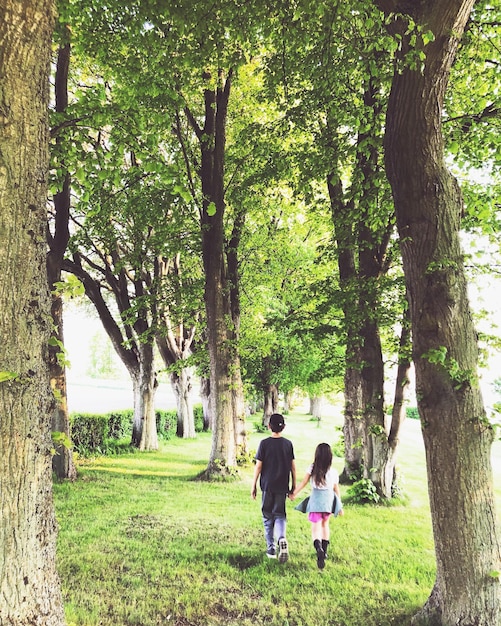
275	463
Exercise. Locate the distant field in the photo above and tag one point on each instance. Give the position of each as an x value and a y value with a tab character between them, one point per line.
87	395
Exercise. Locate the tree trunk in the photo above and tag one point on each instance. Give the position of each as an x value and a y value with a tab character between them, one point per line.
181	385
174	342
456	432
144	428
386	452
374	441
353	431
288	401
206	403
270	397
29	585
316	407
362	250
62	461
353	407
225	381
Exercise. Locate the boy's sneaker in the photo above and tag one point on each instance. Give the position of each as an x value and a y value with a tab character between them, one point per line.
283	554
271	553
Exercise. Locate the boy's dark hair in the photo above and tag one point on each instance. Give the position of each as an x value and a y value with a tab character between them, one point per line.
322	463
277	422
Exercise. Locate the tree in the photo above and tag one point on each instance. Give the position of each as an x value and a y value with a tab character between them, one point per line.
456	432
29	585
62	461
334	88
190	101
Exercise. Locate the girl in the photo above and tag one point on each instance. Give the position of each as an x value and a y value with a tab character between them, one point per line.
324	481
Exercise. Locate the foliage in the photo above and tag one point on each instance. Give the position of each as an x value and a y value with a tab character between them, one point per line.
412	412
88	432
338	445
198	414
363	491
166	423
102	361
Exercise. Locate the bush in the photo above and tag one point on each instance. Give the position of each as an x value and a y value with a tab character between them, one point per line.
412	412
166	423
198	412
120	424
111	433
88	432
363	492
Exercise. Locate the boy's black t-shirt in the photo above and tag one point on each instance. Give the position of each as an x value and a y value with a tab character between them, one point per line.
276	455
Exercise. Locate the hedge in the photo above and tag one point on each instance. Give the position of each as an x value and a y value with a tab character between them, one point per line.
98	433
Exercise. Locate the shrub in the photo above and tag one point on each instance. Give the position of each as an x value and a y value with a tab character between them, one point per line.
198	412
412	412
120	424
363	492
88	431
166	423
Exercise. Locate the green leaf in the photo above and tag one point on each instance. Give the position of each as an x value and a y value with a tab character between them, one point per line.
4	376
211	209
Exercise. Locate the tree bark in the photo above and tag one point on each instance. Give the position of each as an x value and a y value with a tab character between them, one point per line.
389	439
270	396
144	427
456	432
29	585
62	461
316	407
181	385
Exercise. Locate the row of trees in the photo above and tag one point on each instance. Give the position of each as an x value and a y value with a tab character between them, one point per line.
193	148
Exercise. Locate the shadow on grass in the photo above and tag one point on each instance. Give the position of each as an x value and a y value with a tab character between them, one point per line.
244	562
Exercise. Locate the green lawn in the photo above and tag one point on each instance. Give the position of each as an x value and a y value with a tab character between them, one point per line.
142	543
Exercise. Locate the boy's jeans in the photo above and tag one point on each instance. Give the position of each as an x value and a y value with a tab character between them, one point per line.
274	516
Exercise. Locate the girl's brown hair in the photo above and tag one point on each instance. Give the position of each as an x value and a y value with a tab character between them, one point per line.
322	463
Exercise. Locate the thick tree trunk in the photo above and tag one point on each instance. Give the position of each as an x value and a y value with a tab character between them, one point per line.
270	397
225	381
353	431
29	585
182	387
144	428
456	432
374	440
316	407
362	250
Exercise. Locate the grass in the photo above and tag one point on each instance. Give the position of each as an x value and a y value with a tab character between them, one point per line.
141	543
